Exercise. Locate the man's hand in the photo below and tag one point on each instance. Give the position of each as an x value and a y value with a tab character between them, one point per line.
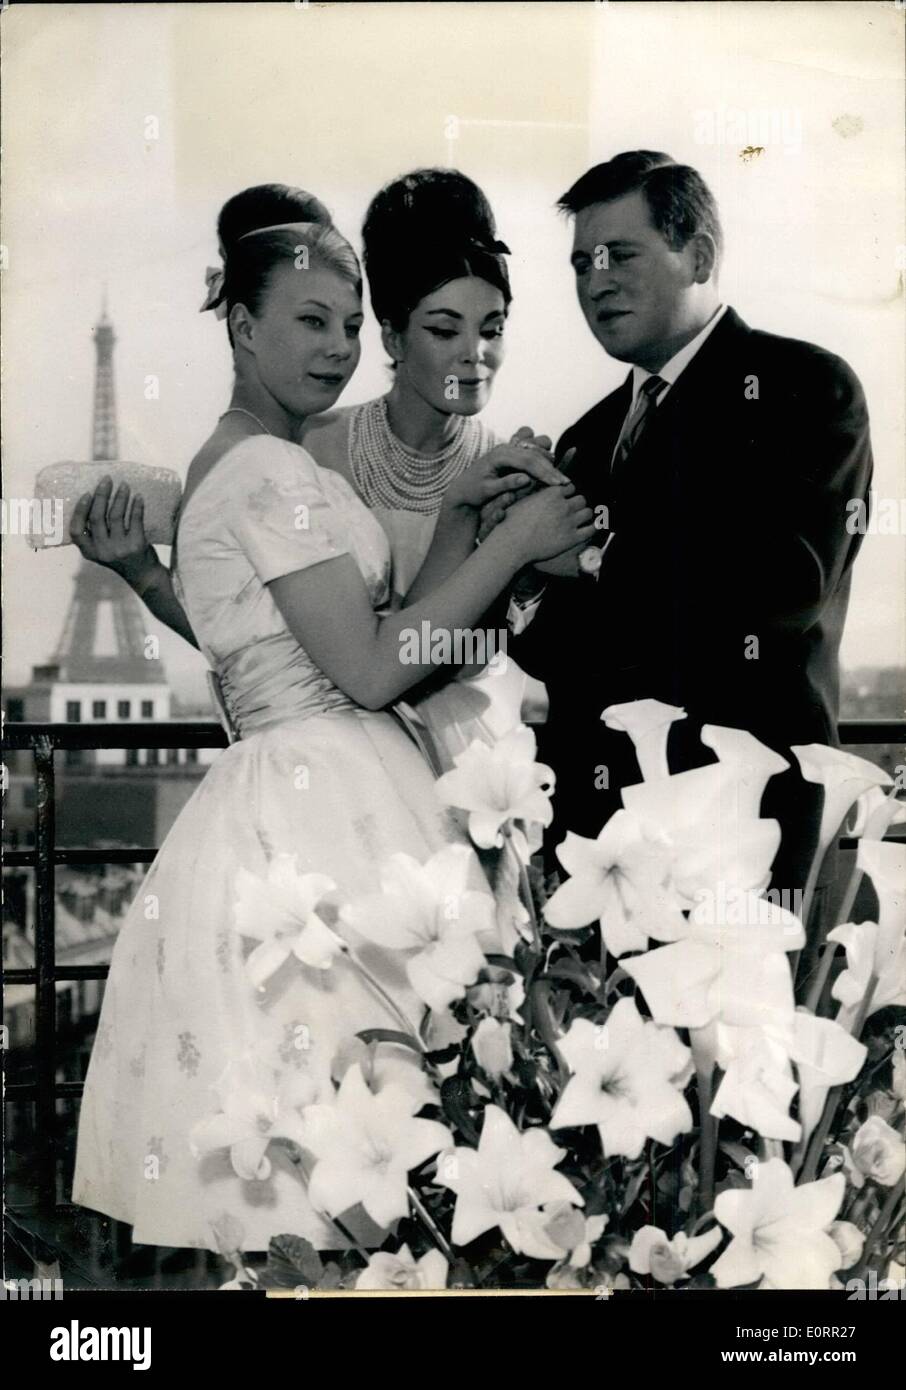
509	470
495	509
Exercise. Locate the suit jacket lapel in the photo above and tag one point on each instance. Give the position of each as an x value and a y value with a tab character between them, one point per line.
696	391
597	441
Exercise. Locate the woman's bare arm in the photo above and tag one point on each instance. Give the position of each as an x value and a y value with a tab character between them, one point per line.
373	659
506	471
100	530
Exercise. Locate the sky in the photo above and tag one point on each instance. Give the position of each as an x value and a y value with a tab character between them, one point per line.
127	126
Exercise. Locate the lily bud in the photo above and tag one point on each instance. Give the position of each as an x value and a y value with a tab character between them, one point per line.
492	1047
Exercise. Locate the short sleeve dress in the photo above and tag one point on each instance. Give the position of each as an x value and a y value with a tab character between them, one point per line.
314	785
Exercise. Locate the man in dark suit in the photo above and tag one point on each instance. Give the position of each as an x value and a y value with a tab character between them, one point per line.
720	472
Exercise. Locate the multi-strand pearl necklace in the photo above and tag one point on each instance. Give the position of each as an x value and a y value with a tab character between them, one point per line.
390	474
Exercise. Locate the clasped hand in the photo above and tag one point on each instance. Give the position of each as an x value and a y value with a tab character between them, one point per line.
504	473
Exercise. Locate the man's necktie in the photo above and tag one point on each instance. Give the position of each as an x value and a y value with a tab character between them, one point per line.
636	422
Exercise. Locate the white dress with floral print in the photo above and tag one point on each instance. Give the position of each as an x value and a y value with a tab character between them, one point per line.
313	776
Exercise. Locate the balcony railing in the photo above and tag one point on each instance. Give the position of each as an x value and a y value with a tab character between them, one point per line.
43	740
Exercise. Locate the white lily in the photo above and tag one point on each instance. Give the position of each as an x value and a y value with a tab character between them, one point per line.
876	812
385	1064
780	1231
698	812
365	1146
844	778
256	1103
647	722
753	764
623	879
505	1183
402	1271
572	1232
666	1260
885	863
862	942
850	1240
898	1079
499	993
627	1078
879	1152
757	1086
279	911
736	974
502	788
492	1047
429	911
826	1055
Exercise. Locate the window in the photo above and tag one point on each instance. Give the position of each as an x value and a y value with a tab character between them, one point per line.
28	796
172	756
132	757
123	709
15	711
75	757
191	755
153	757
99	709
73	711
147	709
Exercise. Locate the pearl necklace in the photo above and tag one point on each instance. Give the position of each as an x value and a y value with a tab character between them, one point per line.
390	474
238	410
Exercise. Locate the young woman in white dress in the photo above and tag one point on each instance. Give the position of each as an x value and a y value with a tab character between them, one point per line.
283	574
440	290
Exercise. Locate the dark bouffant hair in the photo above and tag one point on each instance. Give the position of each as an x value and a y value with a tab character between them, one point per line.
250	260
680	202
422	231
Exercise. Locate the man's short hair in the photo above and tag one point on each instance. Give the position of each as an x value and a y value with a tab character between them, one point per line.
680	202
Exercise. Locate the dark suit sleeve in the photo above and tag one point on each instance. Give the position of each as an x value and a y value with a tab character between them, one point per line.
782	545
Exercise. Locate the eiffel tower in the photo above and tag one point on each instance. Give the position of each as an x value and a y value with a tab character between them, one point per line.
103	637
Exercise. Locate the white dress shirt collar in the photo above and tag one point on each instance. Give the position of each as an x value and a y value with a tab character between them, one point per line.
671	370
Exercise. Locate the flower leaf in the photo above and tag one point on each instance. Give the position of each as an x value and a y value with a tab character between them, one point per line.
291	1261
503	962
370	1035
573	972
454	1097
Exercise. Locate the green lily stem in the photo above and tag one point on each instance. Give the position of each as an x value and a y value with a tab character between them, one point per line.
881	1227
407	1025
810	1166
525	893
708	1150
813	1000
431	1226
849	897
545	1024
821	975
856	1207
808	894
652	1185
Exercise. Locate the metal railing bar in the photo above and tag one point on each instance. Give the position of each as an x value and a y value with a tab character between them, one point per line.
203	733
872	731
192	733
25	858
31	1090
24	975
45	946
